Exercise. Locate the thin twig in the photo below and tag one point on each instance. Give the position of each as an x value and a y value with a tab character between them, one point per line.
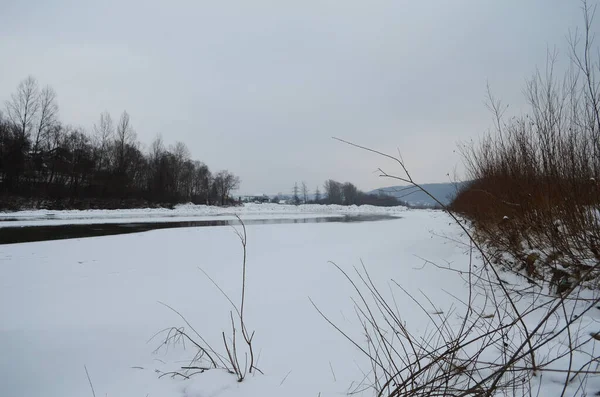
90	381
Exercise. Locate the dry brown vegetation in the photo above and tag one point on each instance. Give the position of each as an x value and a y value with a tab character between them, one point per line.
535	190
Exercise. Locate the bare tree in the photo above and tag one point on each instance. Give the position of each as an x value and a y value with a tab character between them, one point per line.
201	183
333	190
350	193
304	193
125	136
56	136
48	112
317	195
23	106
181	155
157	147
224	183
104	132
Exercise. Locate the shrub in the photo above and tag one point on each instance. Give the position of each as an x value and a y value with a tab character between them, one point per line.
535	177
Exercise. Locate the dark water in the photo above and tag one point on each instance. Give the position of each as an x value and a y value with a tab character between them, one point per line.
26	234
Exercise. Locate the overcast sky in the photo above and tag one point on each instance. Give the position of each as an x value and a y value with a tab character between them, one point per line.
259	87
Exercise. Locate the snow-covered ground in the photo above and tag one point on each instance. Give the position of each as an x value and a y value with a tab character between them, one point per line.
188	212
93	302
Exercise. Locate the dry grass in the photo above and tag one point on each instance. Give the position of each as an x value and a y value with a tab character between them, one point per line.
237	354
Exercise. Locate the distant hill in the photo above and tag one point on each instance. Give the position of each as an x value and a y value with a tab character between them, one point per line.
444	192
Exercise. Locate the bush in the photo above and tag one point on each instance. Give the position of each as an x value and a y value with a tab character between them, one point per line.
535	191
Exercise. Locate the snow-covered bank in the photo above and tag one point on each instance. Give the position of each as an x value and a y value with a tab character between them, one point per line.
69	303
188	212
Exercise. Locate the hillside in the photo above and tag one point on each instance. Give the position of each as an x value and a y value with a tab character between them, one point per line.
444	192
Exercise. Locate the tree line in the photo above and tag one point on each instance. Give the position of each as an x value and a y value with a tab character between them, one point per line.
335	192
42	158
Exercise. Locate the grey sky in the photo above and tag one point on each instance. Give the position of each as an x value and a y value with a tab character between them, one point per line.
259	87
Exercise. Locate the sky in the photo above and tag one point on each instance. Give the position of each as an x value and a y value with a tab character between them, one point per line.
260	87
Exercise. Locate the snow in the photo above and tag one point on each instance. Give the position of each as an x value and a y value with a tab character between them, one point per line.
94	302
188	212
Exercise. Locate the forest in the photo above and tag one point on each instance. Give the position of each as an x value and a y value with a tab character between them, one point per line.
44	161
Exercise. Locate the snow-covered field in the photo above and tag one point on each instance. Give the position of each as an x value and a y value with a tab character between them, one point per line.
93	302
